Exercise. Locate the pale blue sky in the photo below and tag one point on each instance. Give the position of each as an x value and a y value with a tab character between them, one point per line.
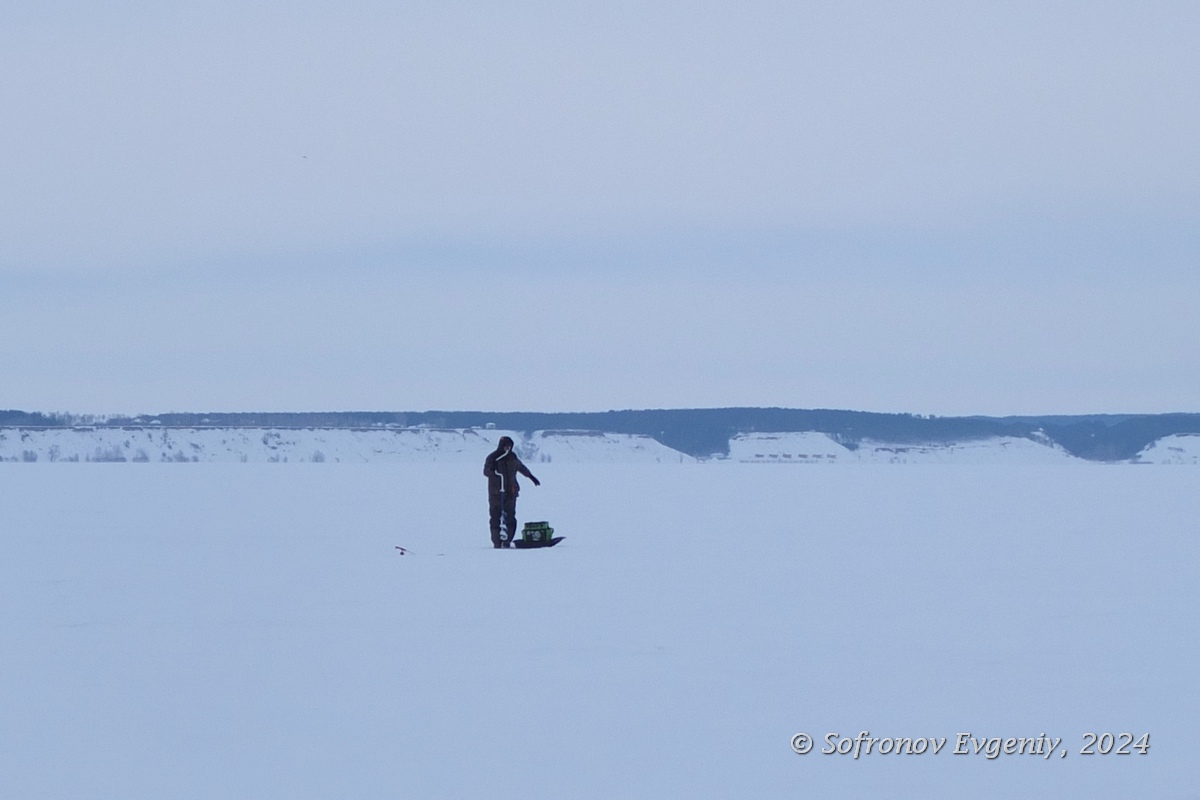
926	207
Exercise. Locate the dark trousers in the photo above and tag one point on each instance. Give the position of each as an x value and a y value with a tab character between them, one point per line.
503	509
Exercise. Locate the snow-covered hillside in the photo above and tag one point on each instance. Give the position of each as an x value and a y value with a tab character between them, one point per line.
388	444
1174	449
818	448
147	444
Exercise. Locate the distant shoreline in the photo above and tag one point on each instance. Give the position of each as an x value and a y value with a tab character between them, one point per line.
698	433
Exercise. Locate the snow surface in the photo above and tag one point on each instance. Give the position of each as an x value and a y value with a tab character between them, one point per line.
1179	448
141	444
242	630
818	448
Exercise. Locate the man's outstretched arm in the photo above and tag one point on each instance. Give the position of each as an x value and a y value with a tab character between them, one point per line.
524	470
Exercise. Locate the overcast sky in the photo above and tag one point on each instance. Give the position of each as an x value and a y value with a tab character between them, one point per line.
945	208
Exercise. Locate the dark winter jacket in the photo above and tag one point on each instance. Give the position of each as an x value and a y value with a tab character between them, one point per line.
501	468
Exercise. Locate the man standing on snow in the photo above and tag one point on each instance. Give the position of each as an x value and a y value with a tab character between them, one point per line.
501	468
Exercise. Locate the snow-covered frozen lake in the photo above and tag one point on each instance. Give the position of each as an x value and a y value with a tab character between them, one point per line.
249	631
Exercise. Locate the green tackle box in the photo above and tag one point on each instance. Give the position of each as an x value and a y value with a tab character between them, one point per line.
536	532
